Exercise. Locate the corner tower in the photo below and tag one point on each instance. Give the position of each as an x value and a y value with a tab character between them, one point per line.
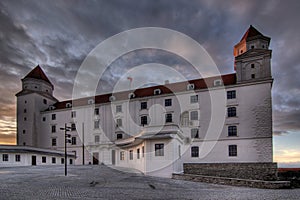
36	95
253	57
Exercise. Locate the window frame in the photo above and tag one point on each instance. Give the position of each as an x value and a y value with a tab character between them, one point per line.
231	111
193	116
159	149
195	152
231	94
169	118
194	98
232	131
168	102
232	150
144	105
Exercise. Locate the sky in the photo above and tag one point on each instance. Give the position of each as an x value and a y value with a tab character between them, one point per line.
58	35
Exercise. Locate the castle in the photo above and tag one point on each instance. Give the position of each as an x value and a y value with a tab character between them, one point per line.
165	136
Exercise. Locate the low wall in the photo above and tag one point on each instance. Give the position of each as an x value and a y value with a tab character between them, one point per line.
233	181
252	171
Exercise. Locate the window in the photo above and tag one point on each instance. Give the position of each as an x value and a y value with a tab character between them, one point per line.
217	82
252	75
143	105
119	108
53	160
45	101
194	115
25	119
62	161
25	111
252	46
231	94
131	95
138	153
53	116
194	99
232	150
91	101
73	114
143	151
5	157
97	124
44	159
97	138
73	140
231	112
25	101
159	149
232	131
71	161
68	105
130	154
96	111
24	131
169	117
53	129
44	119
190	86
53	142
119	136
122	155
119	122
18	158
184	118
252	66
73	127
157	92
168	102
112	98
144	120
194	133
194	151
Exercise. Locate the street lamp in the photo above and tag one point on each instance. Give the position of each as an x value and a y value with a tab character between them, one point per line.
67	140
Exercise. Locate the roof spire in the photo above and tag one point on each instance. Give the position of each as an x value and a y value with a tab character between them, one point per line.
38	73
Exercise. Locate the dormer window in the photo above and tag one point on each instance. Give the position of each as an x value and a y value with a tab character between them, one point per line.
218	82
112	98
157	92
68	105
131	95
91	101
51	107
190	86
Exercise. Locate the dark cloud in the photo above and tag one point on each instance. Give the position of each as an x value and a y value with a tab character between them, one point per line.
59	34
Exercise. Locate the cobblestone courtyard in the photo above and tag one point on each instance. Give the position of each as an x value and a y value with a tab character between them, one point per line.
102	182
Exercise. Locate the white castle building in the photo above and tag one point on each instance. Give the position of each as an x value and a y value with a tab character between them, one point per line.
165	133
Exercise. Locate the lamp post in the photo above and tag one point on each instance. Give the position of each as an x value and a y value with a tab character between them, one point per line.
66	129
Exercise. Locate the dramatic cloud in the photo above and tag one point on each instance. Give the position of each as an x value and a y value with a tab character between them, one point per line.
59	34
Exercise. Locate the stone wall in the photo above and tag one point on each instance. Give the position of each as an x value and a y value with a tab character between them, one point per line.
253	171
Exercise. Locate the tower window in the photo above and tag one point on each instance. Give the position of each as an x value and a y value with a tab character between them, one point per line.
263	46
232	131
232	150
96	111
53	142
194	151
24	131
53	129
252	66
25	111
44	119
45	101
252	47
231	112
25	102
73	140
25	119
53	116
97	138
231	94
119	122
252	76
73	127
73	114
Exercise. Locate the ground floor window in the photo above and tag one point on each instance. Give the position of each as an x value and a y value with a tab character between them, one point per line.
232	150
131	155
18	158
143	151
53	160
122	155
44	159
62	161
195	151
232	131
5	157
159	149
71	161
138	153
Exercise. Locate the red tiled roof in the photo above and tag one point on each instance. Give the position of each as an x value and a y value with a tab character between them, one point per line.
251	32
38	73
229	79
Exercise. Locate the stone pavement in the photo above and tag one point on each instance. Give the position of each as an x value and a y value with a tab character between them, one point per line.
102	182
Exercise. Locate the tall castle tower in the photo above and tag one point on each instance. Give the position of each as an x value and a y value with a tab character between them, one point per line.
253	57
36	95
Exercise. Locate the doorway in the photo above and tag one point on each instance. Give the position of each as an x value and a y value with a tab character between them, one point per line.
96	158
33	160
